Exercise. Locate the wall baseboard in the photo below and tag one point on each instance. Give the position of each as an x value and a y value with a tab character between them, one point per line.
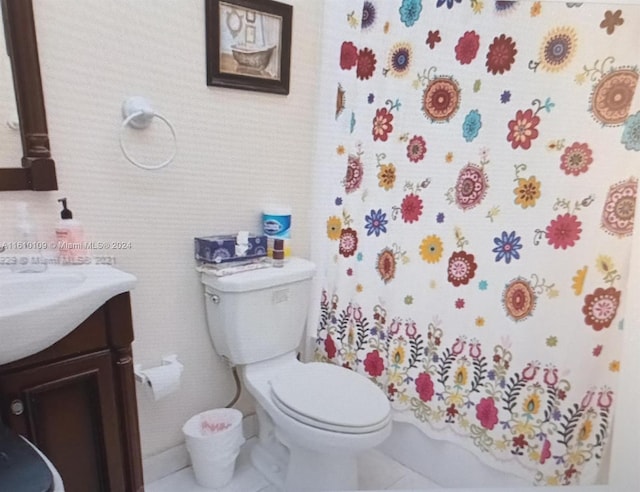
176	458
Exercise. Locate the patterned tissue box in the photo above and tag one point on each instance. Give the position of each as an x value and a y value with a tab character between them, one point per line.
222	248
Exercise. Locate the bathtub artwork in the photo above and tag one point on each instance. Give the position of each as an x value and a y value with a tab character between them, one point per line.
479	174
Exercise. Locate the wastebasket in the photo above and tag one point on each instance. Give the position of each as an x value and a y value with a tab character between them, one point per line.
213	439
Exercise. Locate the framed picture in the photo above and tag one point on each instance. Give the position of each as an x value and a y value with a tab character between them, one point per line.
249	44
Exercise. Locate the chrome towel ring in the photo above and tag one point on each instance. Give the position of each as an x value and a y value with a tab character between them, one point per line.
138	113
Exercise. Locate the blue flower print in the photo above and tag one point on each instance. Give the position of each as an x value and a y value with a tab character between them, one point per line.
507	246
631	132
483	284
410	11
505	97
338	201
449	3
471	126
376	222
440	218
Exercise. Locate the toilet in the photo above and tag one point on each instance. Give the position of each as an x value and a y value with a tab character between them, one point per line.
314	419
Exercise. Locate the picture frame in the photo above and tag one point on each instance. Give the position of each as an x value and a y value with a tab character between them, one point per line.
249	44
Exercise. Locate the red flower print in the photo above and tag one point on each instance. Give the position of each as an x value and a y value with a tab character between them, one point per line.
467	47
520	441
519	299
330	347
411	208
564	231
416	149
424	386
462	268
522	129
348	55
600	309
386	265
597	350
487	413
382	124
366	64
501	55
459	303
433	38
353	178
576	159
391	390
545	454
452	411
374	364
348	242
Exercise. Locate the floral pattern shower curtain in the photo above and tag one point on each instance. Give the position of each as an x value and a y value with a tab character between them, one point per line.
477	168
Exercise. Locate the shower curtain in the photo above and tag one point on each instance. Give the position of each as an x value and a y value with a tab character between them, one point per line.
476	173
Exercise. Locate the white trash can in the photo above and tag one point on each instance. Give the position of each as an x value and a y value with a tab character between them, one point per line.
213	439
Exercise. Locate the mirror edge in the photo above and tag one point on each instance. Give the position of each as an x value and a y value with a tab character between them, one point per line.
38	171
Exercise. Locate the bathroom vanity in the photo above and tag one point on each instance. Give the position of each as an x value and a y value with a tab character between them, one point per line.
76	402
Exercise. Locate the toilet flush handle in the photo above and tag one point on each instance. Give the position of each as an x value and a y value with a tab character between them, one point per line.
215	298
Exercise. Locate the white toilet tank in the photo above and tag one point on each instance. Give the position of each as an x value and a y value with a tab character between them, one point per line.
260	314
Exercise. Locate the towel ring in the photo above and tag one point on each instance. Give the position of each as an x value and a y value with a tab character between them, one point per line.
138	113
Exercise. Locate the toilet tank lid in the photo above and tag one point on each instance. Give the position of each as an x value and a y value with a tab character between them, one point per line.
294	270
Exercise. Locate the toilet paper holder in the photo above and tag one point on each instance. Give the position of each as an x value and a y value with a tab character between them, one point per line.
165	361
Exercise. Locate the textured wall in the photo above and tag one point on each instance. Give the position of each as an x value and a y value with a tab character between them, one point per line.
237	152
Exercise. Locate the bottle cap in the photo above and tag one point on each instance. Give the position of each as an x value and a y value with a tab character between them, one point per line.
66	213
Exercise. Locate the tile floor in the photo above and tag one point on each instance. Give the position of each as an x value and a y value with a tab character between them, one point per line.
376	471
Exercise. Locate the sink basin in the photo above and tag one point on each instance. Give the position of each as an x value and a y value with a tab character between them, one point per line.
38	309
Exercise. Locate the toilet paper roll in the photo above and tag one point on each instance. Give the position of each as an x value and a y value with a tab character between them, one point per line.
163	380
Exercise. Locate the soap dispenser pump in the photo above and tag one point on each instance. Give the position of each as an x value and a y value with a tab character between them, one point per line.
69	235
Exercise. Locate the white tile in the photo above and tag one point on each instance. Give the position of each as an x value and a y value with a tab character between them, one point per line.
414	481
378	471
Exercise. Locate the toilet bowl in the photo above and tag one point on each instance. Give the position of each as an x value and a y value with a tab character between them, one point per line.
325	415
314	419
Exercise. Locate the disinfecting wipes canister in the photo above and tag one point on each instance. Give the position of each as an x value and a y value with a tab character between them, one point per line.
276	224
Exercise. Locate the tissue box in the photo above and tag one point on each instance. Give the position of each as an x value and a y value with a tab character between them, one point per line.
222	248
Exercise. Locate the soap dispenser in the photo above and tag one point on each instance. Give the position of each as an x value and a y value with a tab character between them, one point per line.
69	235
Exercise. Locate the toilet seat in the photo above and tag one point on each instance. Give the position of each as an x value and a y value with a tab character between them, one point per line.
331	398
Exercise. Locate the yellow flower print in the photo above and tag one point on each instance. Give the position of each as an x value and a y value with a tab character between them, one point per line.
404	398
334	228
527	192
477	6
387	176
585	430
502	444
480	321
464	423
397	356
524	428
532	404
386	27
534	455
604	264
340	150
456	399
536	8
581	78
553	481
575	458
395	378
614	366
578	280
431	249
359	288
461	376
448	158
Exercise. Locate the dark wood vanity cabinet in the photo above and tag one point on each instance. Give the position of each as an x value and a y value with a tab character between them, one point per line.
76	402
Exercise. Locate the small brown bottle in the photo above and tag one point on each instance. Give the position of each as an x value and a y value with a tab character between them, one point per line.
278	253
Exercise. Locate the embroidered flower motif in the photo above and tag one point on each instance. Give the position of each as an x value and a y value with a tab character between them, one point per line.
449	3
368	15
612	96
387	176
373	363
416	149
558	48
505	6
597	350
459	304
471	126
507	247
382	124
501	55
366	64
527	192
424	386
505	97
487	413
531	404
618	213
348	55
576	159
400	59
461	268
410	11
631	133
467	47
578	280
355	170
518	299
330	347
612	20
334	228
386	265
376	222
545	454
431	249
411	208
440	218
441	99
471	187
614	366
600	308
564	231
348	242
522	129
536	8
397	356
433	38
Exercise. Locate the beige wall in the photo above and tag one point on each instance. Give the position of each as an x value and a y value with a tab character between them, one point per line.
237	152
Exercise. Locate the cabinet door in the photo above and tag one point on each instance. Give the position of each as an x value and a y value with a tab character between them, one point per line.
68	410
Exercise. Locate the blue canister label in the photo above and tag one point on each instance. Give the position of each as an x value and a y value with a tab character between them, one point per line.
276	225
